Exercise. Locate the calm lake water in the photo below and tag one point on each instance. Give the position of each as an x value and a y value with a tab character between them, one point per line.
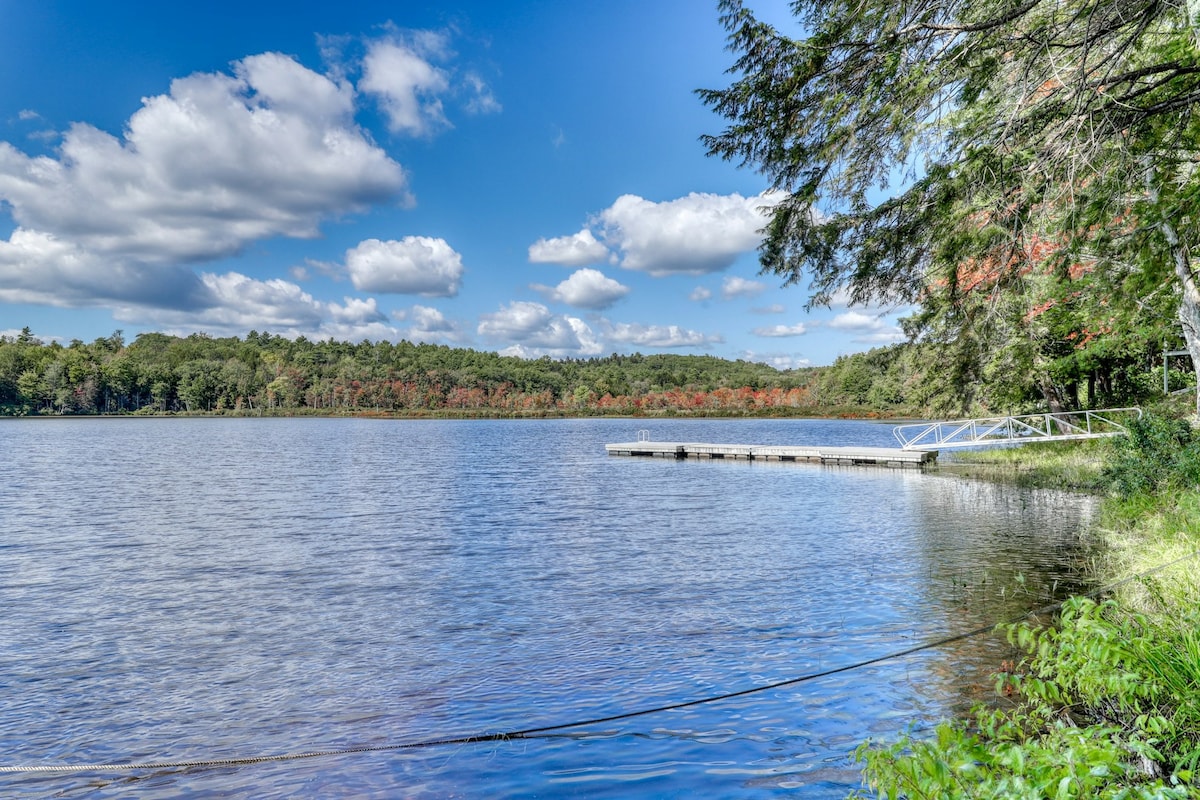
197	589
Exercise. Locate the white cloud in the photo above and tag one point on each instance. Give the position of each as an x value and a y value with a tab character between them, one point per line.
856	321
480	98
781	361
37	267
577	250
241	303
889	336
840	298
693	235
401	70
407	86
414	265
734	286
373	331
313	267
356	311
774	308
700	294
799	329
586	288
428	324
220	161
668	336
870	327
531	329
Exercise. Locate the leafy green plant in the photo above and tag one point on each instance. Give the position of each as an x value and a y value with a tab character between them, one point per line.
1109	707
1159	452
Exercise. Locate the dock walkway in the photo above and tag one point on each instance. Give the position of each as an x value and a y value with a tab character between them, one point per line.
830	456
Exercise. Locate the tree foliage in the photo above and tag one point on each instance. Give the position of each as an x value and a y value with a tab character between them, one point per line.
1106	709
157	373
918	144
201	374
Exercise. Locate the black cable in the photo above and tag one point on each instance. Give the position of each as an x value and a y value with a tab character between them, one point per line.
533	733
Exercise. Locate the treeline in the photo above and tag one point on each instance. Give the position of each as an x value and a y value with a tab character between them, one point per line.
935	379
157	373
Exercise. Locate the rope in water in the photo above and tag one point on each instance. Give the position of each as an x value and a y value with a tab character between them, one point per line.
531	733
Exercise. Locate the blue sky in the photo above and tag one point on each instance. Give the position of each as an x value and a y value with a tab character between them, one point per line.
521	177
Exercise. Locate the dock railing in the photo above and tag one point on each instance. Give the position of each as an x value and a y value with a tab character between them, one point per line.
1055	426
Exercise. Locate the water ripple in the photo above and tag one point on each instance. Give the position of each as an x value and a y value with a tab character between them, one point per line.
199	589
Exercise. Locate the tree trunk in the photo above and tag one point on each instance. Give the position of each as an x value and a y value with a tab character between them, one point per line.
1050	393
1189	299
1189	315
1189	291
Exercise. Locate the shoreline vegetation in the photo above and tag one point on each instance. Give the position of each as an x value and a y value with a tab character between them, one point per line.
1043	228
1107	698
263	374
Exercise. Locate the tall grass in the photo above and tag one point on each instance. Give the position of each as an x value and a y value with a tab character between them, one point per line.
1065	465
1109	698
1109	708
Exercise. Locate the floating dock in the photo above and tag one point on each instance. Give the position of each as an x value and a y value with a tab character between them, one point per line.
830	456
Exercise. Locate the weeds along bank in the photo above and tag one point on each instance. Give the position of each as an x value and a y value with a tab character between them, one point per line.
1108	698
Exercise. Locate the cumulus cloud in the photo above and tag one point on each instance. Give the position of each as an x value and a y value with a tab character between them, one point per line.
402	71
586	288
38	267
700	294
780	361
414	265
774	308
533	330
426	324
220	161
666	336
871	328
777	331
734	286
693	235
889	336
407	86
356	311
842	298
856	321
577	250
240	303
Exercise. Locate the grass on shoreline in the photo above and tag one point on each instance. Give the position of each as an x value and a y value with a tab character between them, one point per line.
1109	697
1059	465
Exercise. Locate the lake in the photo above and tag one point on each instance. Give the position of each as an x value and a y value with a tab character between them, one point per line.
205	589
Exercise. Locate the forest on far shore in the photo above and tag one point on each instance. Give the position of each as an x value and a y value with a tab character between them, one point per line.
264	373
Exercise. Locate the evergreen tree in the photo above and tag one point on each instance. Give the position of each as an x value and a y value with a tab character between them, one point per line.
1007	123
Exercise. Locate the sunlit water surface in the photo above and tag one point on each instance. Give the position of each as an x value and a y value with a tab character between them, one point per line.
198	589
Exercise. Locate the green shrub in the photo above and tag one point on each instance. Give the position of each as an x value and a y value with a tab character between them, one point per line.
1108	708
1158	453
